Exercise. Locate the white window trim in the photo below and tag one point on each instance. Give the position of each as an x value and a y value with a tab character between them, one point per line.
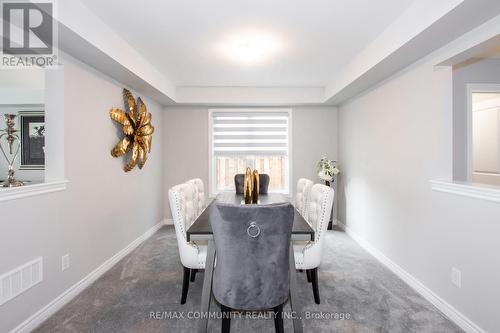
475	88
211	160
12	193
471	190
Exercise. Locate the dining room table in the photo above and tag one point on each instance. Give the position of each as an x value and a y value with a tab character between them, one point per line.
201	229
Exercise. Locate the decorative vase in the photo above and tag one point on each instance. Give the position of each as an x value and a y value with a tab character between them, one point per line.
255	183
11	137
248	186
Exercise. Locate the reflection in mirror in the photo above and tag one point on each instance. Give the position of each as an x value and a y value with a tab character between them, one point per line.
22	127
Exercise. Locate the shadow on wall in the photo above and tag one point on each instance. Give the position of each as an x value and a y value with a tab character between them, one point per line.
341	200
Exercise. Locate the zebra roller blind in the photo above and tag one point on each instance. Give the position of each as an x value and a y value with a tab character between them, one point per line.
250	133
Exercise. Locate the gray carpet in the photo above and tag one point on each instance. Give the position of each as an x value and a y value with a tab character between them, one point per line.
353	286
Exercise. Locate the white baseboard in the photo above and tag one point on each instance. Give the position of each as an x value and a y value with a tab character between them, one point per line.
447	309
169	221
43	314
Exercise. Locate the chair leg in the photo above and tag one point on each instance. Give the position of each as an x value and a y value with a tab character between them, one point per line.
185	284
193	274
226	319
308	272
314	277
278	319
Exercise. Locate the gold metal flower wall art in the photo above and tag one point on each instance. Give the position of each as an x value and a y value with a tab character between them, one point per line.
137	129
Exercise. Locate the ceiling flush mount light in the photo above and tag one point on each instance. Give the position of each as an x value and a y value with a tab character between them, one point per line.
249	48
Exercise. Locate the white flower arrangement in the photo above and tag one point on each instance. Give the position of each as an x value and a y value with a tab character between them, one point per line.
327	169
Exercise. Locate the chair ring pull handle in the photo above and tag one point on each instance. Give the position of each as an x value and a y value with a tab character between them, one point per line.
253	230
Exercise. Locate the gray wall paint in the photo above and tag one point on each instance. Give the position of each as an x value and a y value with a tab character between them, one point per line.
185	147
393	140
314	133
102	211
484	71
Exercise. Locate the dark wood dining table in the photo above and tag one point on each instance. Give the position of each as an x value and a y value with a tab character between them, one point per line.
201	229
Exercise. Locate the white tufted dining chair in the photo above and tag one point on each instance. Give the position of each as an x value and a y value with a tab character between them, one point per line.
302	193
183	205
199	195
308	254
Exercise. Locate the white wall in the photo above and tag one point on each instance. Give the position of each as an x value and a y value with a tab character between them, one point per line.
101	212
393	140
32	79
314	133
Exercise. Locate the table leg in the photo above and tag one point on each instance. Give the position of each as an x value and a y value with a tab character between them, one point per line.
206	294
294	298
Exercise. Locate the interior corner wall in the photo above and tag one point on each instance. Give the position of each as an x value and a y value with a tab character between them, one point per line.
102	210
186	150
486	71
393	140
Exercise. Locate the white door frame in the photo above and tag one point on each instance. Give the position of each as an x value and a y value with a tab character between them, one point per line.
475	88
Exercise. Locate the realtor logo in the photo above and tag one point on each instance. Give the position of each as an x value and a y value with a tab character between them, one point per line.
28	33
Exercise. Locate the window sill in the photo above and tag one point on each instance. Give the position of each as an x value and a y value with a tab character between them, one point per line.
14	193
471	190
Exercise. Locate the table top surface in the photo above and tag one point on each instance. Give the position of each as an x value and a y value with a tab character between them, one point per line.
201	226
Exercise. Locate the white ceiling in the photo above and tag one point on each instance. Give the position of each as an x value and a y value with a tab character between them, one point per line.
319	37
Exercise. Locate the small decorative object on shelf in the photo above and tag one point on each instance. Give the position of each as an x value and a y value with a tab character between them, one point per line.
137	129
327	169
11	137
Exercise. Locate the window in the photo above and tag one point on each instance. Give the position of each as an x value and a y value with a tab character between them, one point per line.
485	137
40	161
475	123
258	139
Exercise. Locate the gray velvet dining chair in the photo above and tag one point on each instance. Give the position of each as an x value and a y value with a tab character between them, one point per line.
252	249
239	183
